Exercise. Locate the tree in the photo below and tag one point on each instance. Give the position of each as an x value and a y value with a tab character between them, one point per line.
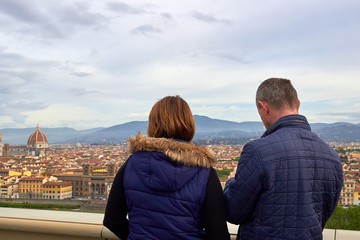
347	219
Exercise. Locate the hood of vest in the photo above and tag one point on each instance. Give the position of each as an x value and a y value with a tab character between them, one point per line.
185	153
166	164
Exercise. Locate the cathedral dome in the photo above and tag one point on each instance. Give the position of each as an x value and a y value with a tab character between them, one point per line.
38	138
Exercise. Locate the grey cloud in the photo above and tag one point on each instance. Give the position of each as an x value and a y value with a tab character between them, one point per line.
75	69
80	74
15	107
17	72
352	115
20	92
124	8
208	18
15	81
94	53
4	89
19	86
58	21
166	15
17	61
20	10
145	29
18	117
10	60
19	105
79	14
32	18
83	91
26	104
231	56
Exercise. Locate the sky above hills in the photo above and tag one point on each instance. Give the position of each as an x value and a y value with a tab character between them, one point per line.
98	63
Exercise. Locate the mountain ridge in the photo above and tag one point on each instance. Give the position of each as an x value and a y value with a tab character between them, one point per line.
206	129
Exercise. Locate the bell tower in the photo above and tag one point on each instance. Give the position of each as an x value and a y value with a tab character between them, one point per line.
111	170
87	169
1	144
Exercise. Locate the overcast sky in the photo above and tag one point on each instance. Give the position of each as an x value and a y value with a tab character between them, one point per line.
99	63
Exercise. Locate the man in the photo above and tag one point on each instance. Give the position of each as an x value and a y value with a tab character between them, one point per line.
287	183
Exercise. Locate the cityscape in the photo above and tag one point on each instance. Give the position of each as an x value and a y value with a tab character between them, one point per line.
89	73
86	171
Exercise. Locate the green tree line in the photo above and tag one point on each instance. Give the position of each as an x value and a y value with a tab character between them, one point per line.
39	206
224	172
345	218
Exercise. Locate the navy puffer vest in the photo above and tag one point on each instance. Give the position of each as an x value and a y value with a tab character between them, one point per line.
164	197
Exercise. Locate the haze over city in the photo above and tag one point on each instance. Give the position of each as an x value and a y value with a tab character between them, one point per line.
85	64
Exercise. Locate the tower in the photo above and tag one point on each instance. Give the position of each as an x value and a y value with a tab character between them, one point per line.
111	170
1	144
87	169
6	150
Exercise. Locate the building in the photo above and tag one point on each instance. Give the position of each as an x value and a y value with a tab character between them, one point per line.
37	143
357	194
347	193
354	155
31	187
9	190
9	179
93	181
21	150
4	172
57	190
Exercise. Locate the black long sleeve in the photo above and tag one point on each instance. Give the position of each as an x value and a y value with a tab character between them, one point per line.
116	209
214	211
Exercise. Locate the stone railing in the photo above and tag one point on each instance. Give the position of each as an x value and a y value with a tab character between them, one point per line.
20	224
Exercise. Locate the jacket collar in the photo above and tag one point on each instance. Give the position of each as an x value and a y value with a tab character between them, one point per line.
182	152
294	120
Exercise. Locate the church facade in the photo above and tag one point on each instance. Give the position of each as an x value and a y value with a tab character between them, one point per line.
37	145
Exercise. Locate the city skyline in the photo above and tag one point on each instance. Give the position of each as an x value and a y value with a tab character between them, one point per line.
100	63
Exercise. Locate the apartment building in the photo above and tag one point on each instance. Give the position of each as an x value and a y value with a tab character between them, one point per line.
31	187
9	190
57	190
347	193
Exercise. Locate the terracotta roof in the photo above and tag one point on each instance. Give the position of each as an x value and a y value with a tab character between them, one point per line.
90	161
37	137
57	183
32	179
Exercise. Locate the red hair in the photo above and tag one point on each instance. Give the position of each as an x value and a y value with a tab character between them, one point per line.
171	117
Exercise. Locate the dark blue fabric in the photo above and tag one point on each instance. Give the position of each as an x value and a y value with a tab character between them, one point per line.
164	198
287	184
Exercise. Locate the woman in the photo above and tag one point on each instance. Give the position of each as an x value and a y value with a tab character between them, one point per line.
167	186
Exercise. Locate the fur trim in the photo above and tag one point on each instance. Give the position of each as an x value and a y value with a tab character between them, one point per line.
182	152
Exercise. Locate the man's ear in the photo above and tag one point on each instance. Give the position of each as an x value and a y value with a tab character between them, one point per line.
264	106
298	105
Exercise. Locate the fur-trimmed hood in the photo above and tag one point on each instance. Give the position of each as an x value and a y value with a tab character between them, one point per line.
184	153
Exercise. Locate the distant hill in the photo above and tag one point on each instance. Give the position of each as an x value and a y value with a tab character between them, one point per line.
117	133
206	124
19	136
208	130
345	132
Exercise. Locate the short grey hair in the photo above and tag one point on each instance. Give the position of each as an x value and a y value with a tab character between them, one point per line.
278	93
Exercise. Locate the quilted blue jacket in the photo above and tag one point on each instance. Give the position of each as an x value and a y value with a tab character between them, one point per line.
287	184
